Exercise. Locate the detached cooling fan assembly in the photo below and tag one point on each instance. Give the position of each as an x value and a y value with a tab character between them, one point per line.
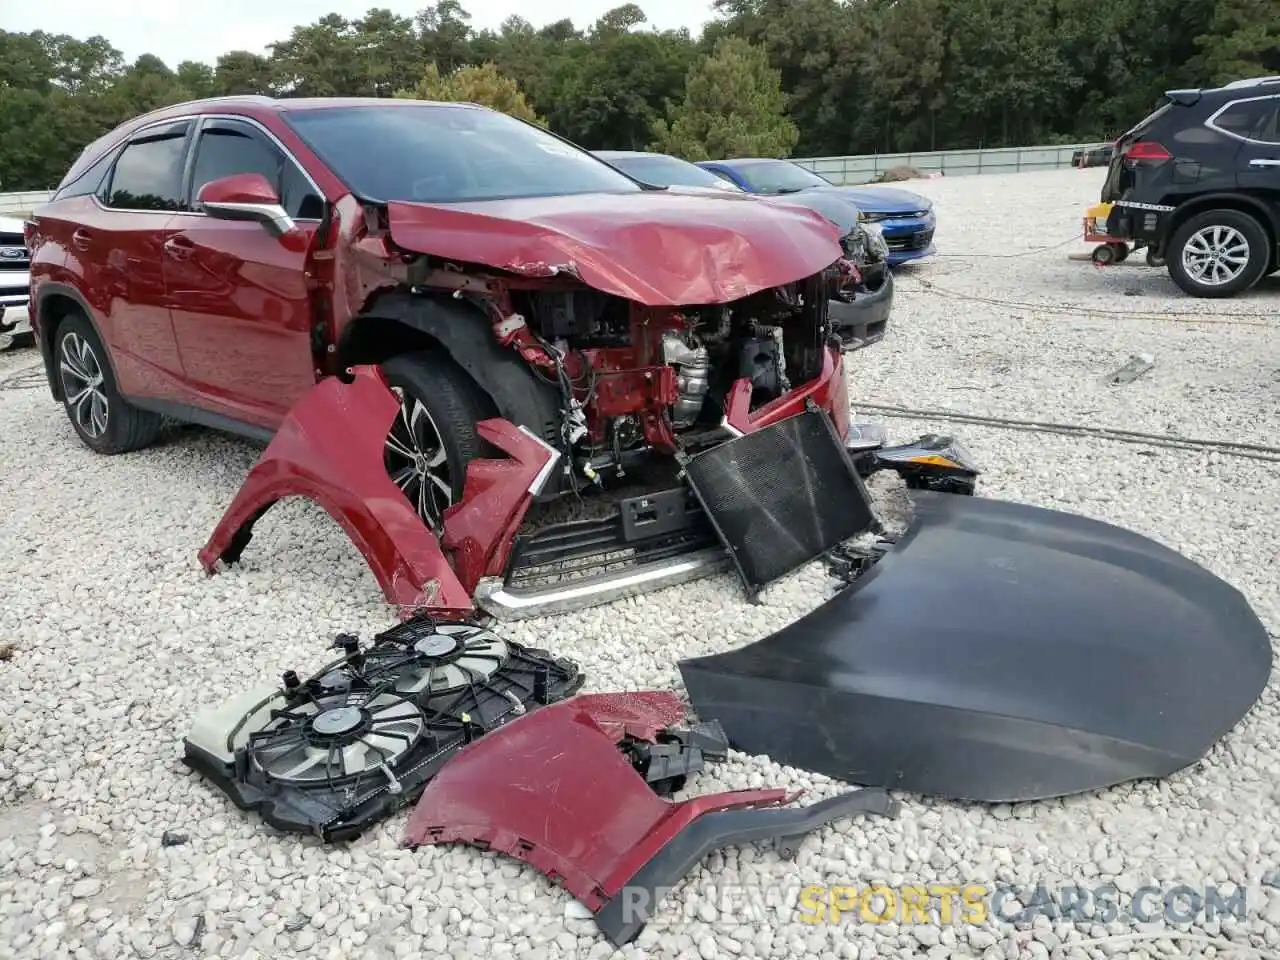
333	754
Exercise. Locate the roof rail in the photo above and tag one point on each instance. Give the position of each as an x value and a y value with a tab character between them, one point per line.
1251	82
244	98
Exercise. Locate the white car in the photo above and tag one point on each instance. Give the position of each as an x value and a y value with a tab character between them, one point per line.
15	284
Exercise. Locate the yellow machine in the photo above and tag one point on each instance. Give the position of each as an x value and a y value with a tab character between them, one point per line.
1110	249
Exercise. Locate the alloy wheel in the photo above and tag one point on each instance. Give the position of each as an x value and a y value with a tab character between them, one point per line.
83	385
416	460
1215	255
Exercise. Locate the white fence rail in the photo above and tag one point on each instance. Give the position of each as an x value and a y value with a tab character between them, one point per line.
11	203
862	169
954	163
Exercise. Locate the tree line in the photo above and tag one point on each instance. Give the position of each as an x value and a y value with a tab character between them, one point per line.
765	77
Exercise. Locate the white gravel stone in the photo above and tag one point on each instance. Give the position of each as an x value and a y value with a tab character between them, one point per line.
117	636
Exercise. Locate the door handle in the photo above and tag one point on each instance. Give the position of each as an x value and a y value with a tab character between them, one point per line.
1264	162
179	248
80	239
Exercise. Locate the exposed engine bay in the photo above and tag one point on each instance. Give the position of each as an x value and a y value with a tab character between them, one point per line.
637	380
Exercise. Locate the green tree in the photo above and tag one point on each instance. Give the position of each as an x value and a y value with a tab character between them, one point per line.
481	84
611	86
387	51
444	30
1243	40
733	107
241	73
818	48
197	78
321	59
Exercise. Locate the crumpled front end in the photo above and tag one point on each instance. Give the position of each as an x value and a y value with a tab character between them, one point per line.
862	299
607	355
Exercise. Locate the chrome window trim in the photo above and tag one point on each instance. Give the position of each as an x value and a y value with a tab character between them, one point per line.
1235	136
198	118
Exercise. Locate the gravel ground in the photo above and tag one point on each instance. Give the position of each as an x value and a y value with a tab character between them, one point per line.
114	635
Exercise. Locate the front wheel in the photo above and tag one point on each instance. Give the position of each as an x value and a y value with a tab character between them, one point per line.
102	418
1218	253
434	436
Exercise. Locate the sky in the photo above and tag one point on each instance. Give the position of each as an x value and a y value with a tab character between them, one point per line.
177	30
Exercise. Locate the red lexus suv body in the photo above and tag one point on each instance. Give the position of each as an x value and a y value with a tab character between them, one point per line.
213	261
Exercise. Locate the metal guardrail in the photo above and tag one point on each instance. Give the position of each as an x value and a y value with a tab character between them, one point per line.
841	170
953	163
11	203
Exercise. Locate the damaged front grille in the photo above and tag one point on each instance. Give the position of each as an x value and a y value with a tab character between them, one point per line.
643	530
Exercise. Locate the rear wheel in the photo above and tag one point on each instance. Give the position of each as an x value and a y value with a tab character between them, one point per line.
1218	253
434	437
102	418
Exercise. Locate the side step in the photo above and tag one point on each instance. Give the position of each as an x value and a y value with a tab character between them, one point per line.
650	542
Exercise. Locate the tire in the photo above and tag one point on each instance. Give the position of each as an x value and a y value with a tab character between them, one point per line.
1218	234
105	422
1153	260
1122	253
434	438
1104	255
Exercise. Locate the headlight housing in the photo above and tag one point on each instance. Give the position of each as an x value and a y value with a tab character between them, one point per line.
876	244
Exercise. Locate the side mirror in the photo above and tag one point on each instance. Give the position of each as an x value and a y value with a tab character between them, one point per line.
245	196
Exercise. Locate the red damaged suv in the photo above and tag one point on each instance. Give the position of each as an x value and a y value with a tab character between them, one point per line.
213	261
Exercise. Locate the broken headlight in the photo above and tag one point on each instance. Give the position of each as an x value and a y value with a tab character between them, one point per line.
876	244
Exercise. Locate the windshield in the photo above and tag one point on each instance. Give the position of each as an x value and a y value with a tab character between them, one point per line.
669	172
444	153
777	176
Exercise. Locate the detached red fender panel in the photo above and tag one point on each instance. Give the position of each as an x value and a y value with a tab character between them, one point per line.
554	790
330	450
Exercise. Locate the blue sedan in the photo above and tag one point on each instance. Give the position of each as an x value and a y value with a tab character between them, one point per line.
907	219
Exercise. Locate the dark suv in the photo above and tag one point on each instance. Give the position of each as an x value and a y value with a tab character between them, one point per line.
1198	182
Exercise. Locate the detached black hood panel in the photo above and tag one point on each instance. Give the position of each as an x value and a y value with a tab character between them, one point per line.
999	652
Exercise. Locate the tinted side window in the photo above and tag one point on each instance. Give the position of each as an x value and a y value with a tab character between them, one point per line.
1269	132
89	182
233	148
148	174
1252	119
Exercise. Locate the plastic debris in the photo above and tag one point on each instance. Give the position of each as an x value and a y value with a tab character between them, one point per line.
1139	363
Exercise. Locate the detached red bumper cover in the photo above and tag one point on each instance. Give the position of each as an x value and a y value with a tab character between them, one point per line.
554	790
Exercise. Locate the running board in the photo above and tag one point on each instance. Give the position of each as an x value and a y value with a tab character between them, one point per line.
506	602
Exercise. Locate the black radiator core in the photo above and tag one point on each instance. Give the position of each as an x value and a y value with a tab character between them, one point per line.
781	496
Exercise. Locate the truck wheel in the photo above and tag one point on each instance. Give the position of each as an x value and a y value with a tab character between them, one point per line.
1218	253
434	437
1104	255
104	420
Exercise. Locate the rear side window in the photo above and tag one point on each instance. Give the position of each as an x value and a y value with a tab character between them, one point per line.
148	174
231	148
90	181
1249	119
